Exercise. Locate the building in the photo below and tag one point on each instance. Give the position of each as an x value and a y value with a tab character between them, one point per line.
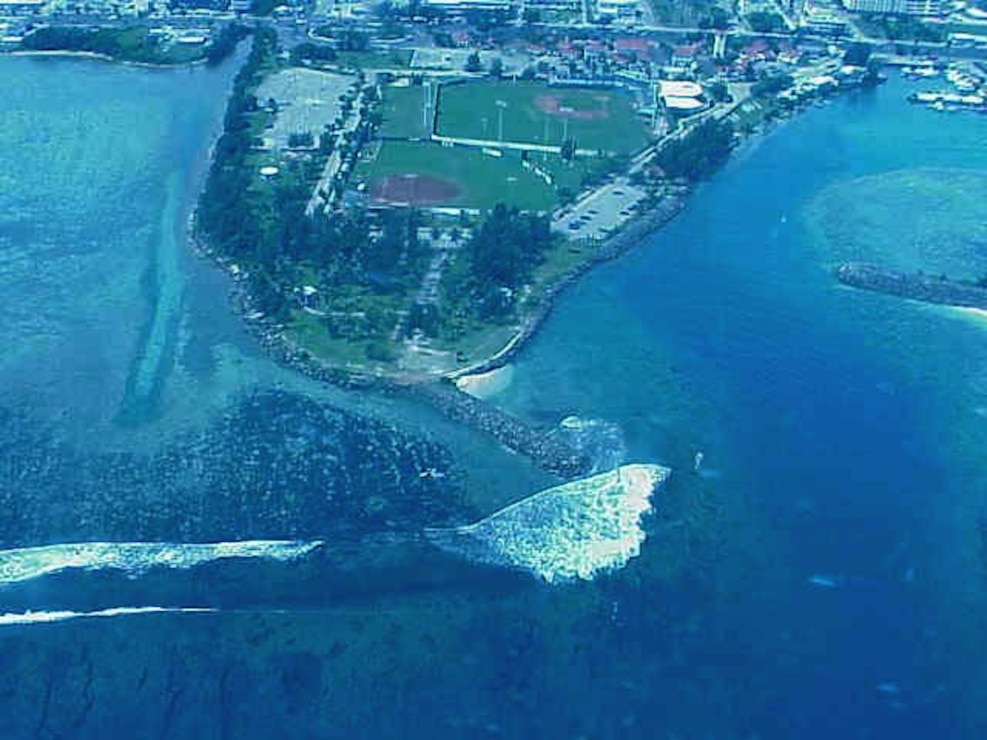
21	7
685	55
463	6
679	97
822	20
895	7
616	8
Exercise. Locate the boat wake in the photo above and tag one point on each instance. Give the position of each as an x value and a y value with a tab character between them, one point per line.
573	531
27	563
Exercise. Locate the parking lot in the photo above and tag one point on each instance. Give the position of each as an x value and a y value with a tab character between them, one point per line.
600	213
307	100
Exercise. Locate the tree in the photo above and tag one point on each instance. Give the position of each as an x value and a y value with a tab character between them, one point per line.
568	150
857	54
772	85
765	22
700	153
301	140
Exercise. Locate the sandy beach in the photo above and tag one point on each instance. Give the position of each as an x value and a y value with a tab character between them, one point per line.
485	385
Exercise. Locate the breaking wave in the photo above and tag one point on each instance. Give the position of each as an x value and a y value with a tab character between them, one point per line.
573	531
26	563
601	442
47	617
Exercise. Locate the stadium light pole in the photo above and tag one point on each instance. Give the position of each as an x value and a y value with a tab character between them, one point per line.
425	105
544	139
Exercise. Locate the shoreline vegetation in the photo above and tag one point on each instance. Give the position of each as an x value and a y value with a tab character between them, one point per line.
135	45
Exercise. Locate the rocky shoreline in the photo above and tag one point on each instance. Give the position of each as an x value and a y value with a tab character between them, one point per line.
915	286
669	207
552	455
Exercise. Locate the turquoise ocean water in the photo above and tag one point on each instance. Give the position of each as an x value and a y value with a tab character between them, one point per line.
819	576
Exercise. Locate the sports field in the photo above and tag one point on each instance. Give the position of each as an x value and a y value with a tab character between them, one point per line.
433	175
404	112
529	112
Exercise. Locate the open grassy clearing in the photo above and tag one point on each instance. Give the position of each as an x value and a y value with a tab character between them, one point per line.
538	114
481	180
402	109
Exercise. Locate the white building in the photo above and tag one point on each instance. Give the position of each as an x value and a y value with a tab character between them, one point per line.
897	7
21	7
822	20
616	8
461	6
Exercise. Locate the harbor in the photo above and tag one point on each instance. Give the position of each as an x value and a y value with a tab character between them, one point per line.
967	88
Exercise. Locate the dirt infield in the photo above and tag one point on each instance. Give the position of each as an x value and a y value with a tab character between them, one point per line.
552	104
413	189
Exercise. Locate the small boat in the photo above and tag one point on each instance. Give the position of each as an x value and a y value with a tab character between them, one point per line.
824	581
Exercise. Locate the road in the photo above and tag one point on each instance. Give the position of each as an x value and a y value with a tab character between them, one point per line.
335	161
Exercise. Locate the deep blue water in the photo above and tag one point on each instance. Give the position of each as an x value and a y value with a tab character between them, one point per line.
842	432
828	412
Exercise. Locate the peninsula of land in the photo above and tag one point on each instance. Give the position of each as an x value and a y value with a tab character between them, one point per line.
399	199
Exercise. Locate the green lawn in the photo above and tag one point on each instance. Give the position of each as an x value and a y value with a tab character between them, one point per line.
402	110
395	58
484	180
471	110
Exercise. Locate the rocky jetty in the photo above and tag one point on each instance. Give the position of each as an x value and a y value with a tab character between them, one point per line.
916	286
549	453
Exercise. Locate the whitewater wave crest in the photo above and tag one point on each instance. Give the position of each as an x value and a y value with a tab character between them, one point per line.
27	563
573	531
601	442
47	617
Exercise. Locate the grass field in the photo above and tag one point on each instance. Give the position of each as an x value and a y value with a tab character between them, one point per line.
402	111
538	114
481	180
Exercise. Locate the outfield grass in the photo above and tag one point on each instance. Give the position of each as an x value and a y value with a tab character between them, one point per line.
394	58
471	110
484	181
402	111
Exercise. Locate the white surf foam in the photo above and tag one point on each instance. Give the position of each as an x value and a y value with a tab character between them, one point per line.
572	531
47	617
26	563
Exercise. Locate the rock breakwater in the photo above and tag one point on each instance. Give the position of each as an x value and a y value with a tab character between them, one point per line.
916	286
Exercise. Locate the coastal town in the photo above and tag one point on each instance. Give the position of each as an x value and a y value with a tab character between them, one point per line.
402	188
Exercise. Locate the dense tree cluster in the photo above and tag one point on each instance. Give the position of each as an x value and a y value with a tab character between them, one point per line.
772	85
263	225
763	21
225	42
308	51
497	262
700	153
133	44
